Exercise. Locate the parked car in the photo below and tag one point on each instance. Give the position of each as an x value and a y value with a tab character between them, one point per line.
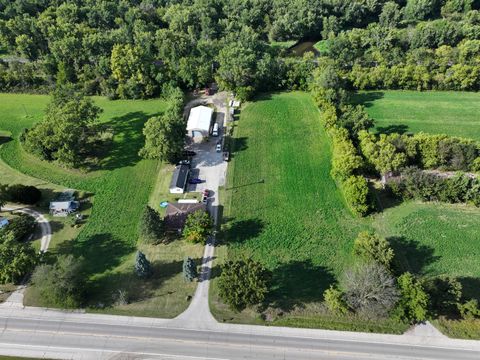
218	148
215	129
226	156
189	153
195	181
205	195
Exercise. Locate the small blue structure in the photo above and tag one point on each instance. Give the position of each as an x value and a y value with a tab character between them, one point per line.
3	222
164	204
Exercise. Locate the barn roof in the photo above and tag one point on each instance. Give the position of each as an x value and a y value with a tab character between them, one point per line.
179	178
200	118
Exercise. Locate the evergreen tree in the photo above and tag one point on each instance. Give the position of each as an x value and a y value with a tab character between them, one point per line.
189	269
151	226
143	267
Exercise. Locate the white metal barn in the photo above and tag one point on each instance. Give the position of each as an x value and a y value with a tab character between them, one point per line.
199	123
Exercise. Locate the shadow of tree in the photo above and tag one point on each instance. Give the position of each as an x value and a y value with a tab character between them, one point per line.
470	287
5	139
240	231
128	140
410	255
366	98
239	144
299	282
390	129
100	252
105	290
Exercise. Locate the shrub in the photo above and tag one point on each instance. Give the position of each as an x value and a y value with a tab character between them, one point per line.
345	159
355	190
414	301
473	194
143	267
372	247
370	290
151	226
189	269
469	310
334	301
243	283
197	227
24	194
62	283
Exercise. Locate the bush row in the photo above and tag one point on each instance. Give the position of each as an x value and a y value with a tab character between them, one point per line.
393	151
417	184
345	159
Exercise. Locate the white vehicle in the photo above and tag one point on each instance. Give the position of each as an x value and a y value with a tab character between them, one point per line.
215	129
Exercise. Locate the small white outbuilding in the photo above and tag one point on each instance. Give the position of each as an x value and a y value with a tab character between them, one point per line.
3	222
199	123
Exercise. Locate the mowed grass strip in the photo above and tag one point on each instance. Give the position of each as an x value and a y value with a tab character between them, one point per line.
286	211
434	239
449	112
121	187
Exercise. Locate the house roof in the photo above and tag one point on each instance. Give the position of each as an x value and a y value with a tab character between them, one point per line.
179	178
200	118
176	214
60	205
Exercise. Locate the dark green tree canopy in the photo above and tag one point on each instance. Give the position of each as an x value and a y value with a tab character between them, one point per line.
243	283
64	133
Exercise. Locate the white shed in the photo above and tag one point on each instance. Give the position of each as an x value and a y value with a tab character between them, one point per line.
199	123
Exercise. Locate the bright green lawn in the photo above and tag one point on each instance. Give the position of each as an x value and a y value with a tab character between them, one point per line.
295	221
121	186
286	211
449	112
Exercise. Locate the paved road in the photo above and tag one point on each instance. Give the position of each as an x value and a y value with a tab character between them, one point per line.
56	335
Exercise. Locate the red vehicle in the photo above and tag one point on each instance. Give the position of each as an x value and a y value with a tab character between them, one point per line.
208	91
205	195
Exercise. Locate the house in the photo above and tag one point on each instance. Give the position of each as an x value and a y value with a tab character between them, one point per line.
63	208
3	222
179	179
199	123
176	214
64	204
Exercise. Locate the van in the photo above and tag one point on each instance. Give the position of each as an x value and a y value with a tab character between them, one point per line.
215	129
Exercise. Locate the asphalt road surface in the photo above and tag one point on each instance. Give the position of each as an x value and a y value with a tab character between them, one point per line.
79	340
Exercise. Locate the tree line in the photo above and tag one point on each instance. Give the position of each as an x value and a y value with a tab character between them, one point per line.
138	49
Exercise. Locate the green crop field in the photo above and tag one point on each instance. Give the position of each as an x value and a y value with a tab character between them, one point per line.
121	187
452	113
283	209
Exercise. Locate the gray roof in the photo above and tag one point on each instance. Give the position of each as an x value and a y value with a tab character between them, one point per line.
180	176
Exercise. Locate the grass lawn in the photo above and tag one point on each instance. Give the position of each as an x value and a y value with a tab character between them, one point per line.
433	239
122	186
283	209
452	113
